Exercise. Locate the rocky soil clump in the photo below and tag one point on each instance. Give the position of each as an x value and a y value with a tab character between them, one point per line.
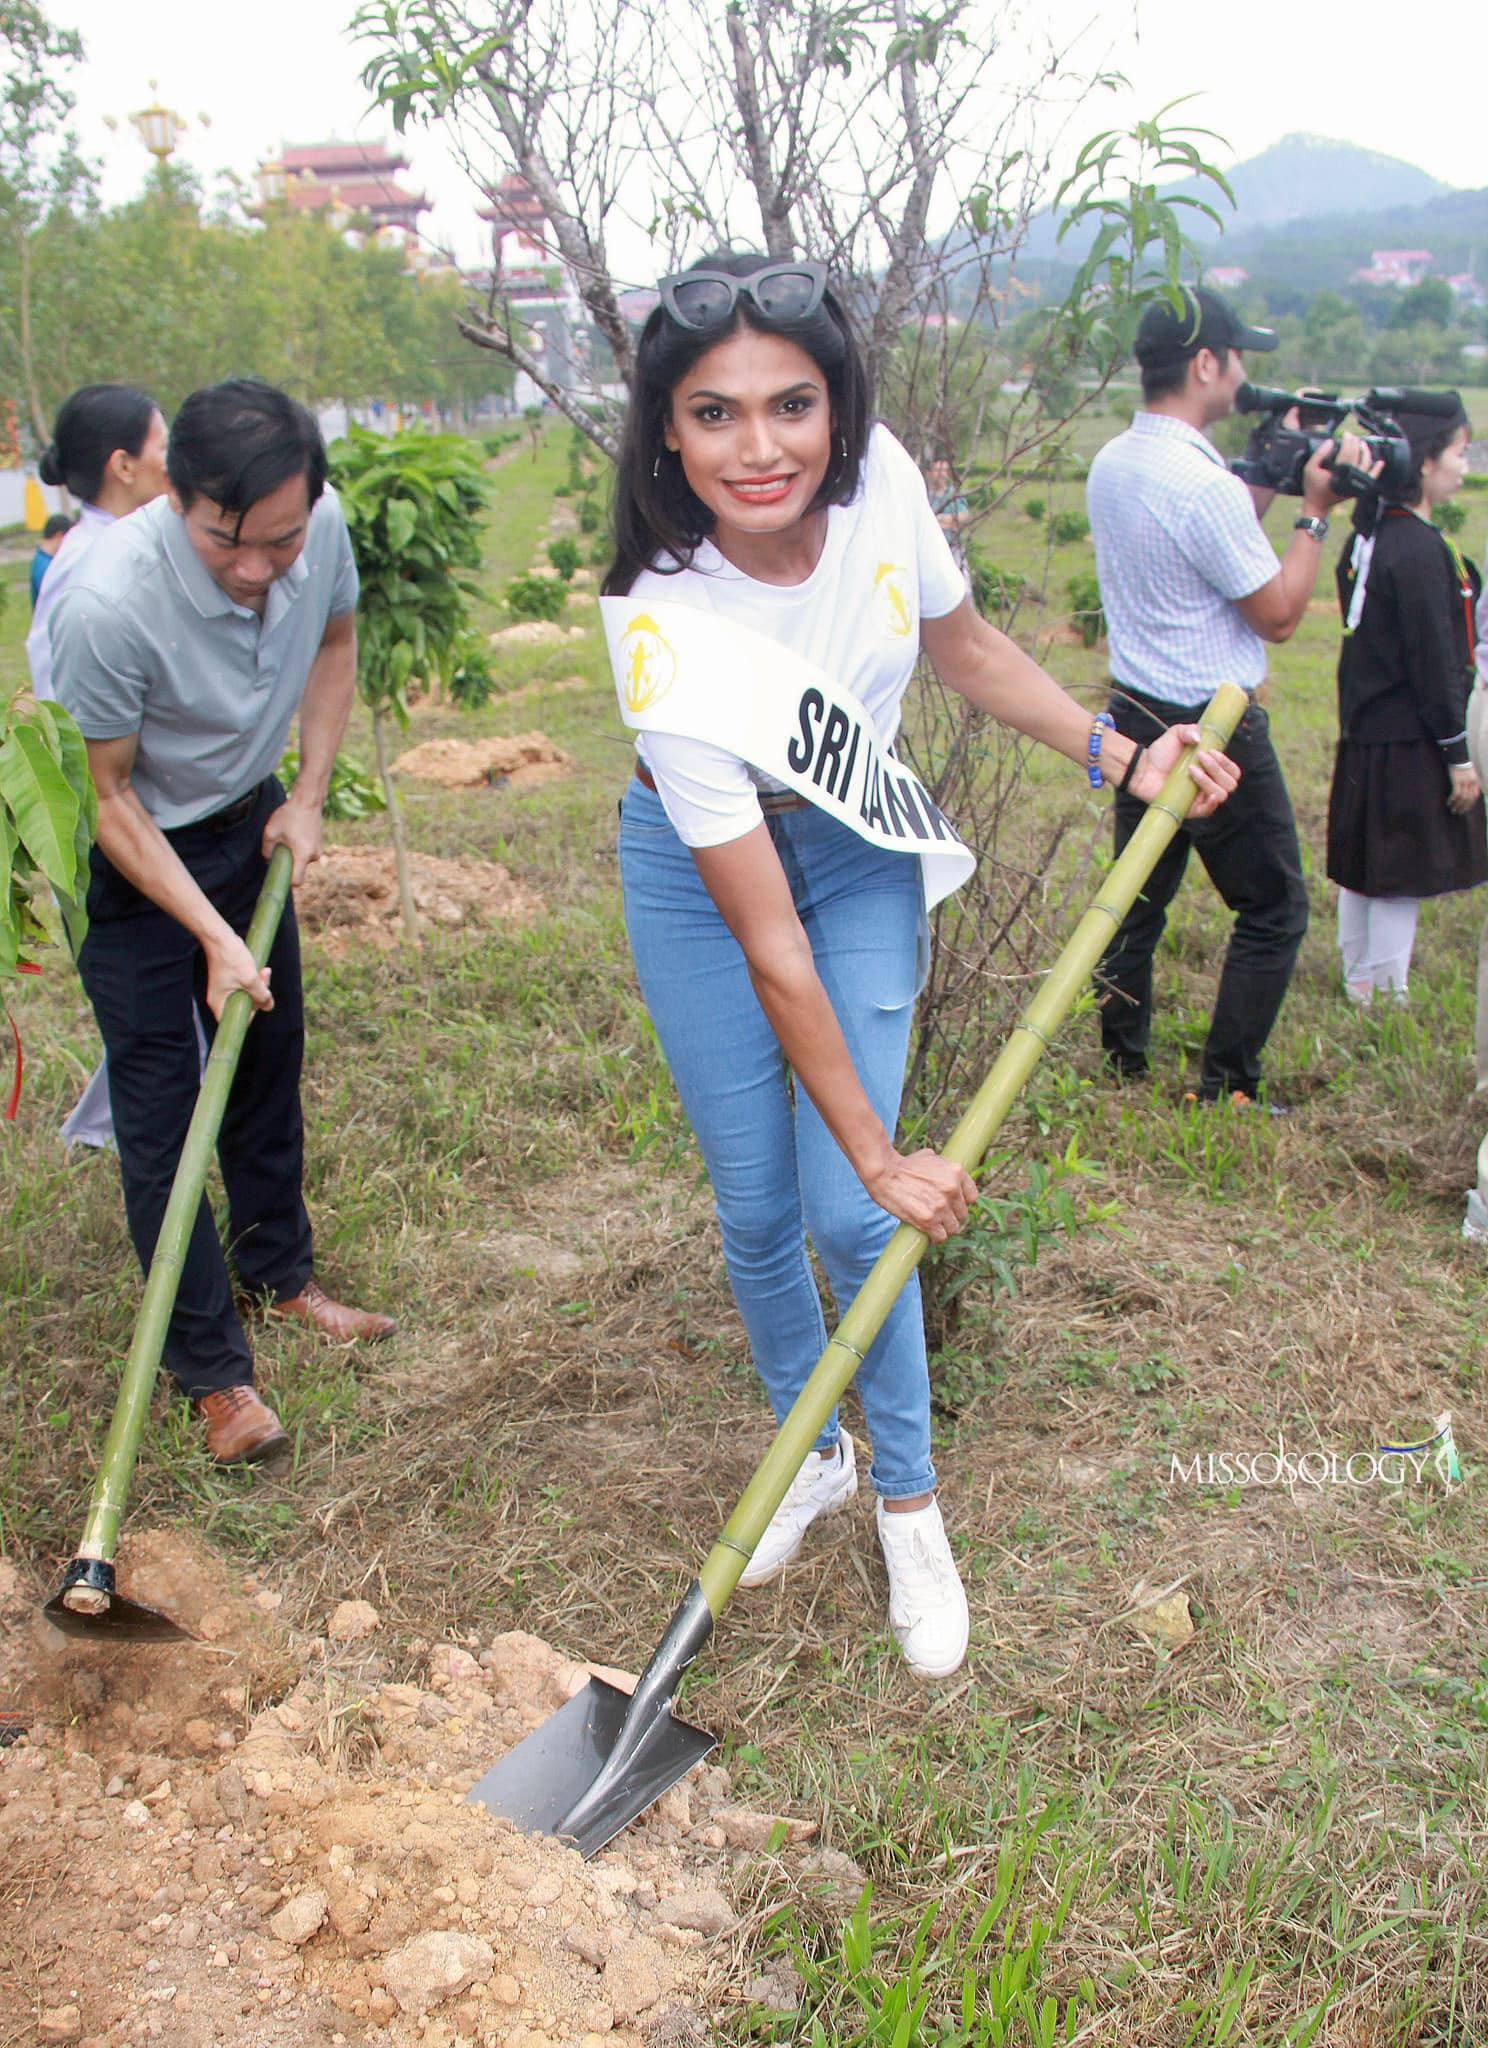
182	1863
516	761
352	892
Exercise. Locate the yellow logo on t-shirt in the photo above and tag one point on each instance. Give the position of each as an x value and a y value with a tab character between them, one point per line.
893	607
648	663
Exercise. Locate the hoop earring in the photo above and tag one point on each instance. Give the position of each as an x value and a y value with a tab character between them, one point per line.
655	466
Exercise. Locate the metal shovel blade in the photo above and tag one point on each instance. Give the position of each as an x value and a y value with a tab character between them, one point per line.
601	1760
543	1781
87	1604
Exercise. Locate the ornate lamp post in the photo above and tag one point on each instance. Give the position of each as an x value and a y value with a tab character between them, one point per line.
159	128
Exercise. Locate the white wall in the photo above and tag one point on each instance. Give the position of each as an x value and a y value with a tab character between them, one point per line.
13	497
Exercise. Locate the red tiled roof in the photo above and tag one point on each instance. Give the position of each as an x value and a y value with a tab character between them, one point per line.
358	195
354	158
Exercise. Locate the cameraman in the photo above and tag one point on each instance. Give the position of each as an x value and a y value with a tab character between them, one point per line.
1192	592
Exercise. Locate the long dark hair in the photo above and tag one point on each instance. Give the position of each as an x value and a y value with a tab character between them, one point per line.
89	426
659	520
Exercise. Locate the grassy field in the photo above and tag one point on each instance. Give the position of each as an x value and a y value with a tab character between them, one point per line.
1105	1829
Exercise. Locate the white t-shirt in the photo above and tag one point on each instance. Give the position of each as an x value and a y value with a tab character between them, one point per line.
884	566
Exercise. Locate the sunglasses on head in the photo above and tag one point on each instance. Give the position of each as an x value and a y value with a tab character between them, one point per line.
700	299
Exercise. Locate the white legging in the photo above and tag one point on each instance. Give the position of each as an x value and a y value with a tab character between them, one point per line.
1375	937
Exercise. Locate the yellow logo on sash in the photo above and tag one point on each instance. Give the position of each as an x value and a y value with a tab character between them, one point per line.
648	663
893	607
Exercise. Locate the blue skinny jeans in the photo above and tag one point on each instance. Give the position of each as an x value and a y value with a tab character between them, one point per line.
777	1173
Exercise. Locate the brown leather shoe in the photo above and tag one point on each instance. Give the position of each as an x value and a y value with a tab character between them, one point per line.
241	1428
334	1319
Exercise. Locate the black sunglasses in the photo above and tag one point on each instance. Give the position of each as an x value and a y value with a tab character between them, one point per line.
700	299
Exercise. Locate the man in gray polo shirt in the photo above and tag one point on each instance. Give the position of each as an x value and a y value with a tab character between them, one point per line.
184	648
1193	592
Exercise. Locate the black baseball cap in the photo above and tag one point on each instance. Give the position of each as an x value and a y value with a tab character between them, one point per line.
1171	334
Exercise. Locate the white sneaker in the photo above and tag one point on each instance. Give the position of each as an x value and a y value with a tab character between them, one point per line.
817	1489
927	1602
1475	1222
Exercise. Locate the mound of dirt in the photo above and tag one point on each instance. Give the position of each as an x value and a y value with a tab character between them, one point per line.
514	762
354	891
309	1871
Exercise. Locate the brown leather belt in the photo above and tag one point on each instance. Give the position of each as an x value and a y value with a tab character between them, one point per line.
771	801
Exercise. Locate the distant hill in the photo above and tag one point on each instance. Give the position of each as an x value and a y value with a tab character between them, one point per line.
1301	179
1303	256
1309	177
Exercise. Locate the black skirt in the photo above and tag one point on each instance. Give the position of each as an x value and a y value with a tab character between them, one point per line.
1389	830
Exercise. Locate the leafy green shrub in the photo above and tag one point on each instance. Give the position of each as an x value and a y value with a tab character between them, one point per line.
563	553
1450	517
473	681
562	490
996	592
1034	507
412	505
48	817
1083	592
590	516
1066	528
354	792
599	554
535	597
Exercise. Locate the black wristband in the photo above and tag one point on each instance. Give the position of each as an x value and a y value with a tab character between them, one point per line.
1131	768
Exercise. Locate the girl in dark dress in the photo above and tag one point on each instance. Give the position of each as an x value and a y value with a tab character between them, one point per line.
1405	817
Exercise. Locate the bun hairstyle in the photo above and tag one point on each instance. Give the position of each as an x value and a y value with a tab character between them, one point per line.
90	425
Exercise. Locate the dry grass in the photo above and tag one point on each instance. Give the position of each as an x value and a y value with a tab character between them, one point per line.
568	1415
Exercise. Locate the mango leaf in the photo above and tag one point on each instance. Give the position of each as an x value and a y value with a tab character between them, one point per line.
43	807
402	523
9	920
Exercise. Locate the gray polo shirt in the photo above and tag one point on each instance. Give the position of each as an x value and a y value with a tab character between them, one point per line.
145	641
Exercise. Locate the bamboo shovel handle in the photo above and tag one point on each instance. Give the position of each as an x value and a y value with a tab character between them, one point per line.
967	1145
116	1465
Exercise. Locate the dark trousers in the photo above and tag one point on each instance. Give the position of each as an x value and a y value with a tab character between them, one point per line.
144	974
1249	847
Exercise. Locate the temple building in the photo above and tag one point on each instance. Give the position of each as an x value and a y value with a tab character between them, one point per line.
535	281
353	179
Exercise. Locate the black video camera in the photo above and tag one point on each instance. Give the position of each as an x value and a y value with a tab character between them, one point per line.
1277	454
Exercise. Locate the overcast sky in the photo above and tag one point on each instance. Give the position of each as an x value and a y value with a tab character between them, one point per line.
272	71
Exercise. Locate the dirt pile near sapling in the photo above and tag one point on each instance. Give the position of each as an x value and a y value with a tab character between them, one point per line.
352	891
517	762
310	1872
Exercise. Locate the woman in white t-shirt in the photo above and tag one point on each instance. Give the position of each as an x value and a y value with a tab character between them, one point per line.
768	935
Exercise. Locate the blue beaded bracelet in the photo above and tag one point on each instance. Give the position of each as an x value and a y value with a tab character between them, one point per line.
1092	752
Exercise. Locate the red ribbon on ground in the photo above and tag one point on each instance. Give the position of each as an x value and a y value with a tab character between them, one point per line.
13	1102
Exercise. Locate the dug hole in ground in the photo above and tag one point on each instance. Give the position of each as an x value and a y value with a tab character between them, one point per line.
260	1837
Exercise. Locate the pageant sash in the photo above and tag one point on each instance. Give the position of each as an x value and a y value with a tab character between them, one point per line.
687	672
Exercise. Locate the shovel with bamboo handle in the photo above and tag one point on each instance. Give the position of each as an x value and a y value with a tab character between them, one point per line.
86	1603
605	1756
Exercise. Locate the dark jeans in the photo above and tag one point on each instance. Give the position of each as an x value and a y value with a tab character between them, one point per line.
1250	850
144	972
